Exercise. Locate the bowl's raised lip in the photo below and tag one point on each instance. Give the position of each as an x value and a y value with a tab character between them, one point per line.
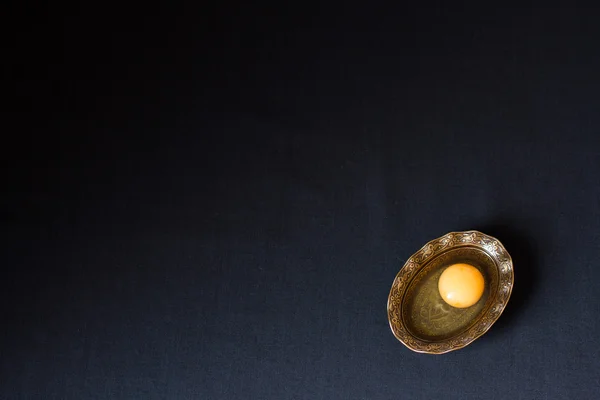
493	247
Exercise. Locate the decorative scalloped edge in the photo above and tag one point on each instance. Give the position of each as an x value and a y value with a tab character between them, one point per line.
491	246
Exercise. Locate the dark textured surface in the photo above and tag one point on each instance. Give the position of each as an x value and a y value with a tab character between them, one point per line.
214	206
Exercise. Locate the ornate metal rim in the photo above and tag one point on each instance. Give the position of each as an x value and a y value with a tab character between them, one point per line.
417	261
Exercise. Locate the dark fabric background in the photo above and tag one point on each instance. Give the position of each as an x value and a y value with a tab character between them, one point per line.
213	203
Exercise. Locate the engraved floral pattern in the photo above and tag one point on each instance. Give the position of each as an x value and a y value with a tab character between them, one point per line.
418	260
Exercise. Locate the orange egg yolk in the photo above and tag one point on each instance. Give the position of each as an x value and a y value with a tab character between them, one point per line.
461	285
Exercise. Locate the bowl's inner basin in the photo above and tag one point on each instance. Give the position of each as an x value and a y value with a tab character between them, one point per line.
427	316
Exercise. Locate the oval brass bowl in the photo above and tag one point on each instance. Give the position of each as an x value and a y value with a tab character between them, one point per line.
418	315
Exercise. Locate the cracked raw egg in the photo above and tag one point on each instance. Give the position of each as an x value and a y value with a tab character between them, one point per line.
461	285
